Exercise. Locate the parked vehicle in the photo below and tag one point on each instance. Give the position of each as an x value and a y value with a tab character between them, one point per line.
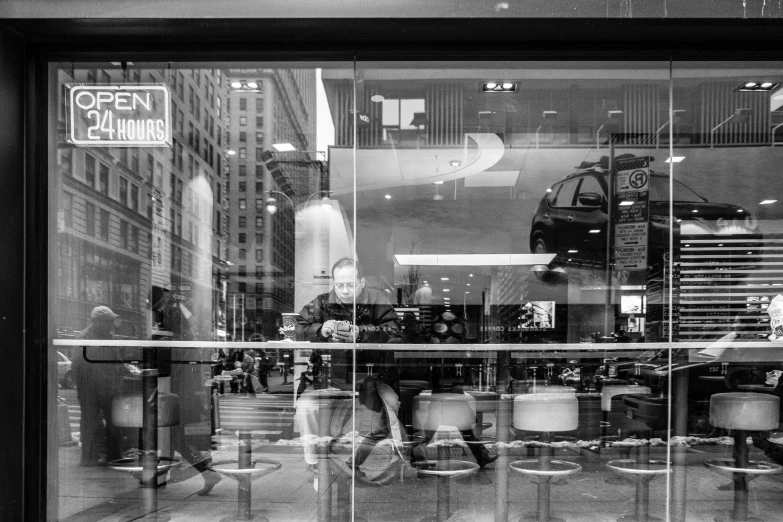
571	219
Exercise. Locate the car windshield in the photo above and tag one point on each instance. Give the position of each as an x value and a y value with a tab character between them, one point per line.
659	190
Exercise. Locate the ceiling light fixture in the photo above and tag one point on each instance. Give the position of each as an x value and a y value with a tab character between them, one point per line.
377	98
675	159
757	86
444	278
387	196
455	163
768	201
595	231
499	87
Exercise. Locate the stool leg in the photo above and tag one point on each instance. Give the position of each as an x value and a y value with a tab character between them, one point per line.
501	468
324	484
444	487
244	456
544	486
741	479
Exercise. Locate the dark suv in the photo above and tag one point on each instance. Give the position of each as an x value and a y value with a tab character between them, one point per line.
572	217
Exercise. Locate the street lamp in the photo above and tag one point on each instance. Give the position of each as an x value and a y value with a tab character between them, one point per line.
271	202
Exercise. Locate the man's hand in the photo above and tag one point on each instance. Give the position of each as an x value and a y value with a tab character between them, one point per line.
328	328
347	335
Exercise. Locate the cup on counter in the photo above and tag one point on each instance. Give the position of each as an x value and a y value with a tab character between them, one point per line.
290	326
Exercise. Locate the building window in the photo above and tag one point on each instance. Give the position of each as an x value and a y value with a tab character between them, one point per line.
104	224
259	137
89	219
259	121
260	203
259	187
259	170
259	256
259	152
242	286
134	197
242	221
103	183
242	186
242	237
123	191
242	104
89	170
124	234
242	254
259	105
242	153
242	136
242	204
259	221
243	120
243	170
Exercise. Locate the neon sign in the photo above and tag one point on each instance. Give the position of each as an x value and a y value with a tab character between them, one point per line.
119	116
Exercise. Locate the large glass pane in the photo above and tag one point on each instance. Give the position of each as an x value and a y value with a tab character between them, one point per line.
724	378
515	215
187	199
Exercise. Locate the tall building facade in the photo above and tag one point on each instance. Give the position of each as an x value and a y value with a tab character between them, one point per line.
268	107
137	224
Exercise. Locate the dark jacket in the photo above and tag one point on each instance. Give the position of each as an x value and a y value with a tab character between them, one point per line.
375	316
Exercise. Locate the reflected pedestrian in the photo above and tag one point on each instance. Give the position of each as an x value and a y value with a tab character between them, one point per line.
96	385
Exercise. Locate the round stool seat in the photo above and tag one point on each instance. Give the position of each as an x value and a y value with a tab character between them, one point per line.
745	411
133	465
127	409
546	412
567	390
612	390
486	401
258	468
754	469
444	409
629	467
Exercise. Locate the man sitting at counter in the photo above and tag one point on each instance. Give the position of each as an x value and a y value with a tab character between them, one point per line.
329	318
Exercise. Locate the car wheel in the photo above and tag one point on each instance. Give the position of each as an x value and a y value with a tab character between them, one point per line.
540	245
68	381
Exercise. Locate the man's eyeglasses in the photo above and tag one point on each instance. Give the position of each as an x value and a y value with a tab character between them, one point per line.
344	286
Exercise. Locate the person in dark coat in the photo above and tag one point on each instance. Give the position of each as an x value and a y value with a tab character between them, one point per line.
96	385
329	318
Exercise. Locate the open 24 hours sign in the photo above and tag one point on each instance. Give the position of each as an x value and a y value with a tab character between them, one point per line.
119	115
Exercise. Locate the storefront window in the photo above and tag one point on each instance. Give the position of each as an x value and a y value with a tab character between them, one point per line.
473	291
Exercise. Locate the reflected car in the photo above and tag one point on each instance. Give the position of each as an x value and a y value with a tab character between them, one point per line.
571	219
64	374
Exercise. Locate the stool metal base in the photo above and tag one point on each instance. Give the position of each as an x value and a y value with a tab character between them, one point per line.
534	518
633	518
727	515
254	517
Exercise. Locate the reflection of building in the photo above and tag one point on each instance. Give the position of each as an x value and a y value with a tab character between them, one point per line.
268	106
136	221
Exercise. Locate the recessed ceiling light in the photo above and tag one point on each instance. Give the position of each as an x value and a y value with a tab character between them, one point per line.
387	196
437	183
252	85
573	251
236	85
720	244
766	85
470	275
687	245
595	231
446	290
768	202
508	85
679	221
444	278
549	190
675	159
750	85
377	98
695	211
231	152
467	292
468	284
499	87
455	163
491	85
626	203
757	86
740	210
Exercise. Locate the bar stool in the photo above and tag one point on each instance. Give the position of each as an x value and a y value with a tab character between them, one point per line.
609	392
486	402
545	413
162	410
245	469
743	412
444	414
